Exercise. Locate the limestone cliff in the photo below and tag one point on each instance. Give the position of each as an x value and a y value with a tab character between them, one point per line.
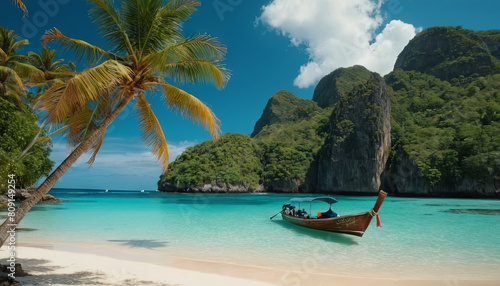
357	148
450	52
440	108
284	107
338	83
405	179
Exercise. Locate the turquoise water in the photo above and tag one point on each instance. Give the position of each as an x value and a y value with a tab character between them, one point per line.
420	237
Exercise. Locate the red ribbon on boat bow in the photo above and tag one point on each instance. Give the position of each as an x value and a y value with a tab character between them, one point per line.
379	223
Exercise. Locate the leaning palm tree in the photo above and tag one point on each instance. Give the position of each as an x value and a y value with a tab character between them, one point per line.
147	54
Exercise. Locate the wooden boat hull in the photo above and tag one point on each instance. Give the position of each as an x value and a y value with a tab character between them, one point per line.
350	224
355	224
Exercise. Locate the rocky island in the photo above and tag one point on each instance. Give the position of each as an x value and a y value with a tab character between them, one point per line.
428	128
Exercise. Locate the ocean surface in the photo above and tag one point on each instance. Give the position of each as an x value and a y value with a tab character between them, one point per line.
419	237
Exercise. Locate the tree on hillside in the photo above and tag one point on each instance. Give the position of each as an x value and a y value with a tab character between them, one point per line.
146	48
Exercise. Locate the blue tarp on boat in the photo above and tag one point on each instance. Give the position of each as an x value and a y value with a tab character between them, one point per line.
314	199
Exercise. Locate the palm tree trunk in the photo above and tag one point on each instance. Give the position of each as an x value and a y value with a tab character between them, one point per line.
25	151
51	180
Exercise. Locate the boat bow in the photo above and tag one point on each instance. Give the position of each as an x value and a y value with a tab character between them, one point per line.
355	224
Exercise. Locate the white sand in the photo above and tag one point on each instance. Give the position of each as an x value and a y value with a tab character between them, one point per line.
107	265
53	267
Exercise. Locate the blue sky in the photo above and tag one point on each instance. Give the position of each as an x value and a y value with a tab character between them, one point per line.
272	45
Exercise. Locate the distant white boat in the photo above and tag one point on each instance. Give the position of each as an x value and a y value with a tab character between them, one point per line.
106	190
157	190
142	191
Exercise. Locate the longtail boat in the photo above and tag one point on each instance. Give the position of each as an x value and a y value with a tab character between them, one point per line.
355	224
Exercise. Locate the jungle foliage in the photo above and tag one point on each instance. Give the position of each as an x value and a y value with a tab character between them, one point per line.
450	128
281	151
17	129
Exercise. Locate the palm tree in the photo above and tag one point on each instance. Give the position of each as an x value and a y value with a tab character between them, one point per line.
14	71
54	71
147	49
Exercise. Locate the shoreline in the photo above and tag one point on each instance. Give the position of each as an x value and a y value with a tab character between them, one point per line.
119	265
451	195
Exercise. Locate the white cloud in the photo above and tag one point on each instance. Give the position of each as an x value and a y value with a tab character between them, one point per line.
338	33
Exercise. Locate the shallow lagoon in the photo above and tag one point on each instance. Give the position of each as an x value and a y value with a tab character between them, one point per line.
420	237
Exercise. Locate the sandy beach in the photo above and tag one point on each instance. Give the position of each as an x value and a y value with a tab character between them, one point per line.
79	264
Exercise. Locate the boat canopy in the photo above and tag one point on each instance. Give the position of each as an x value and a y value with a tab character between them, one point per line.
314	199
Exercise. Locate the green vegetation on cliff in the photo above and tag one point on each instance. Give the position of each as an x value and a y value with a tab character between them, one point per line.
444	127
339	83
231	159
449	128
449	52
279	152
289	149
285	107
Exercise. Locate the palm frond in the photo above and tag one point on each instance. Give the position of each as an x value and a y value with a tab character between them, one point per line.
21	5
12	77
72	66
35	59
19	44
48	56
14	91
3	57
81	122
43	140
9	41
60	72
55	65
181	9
18	58
62	100
196	47
46	138
110	26
192	107
96	147
62	129
152	132
45	62
49	100
140	20
62	69
197	71
151	27
80	48
28	72
48	83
